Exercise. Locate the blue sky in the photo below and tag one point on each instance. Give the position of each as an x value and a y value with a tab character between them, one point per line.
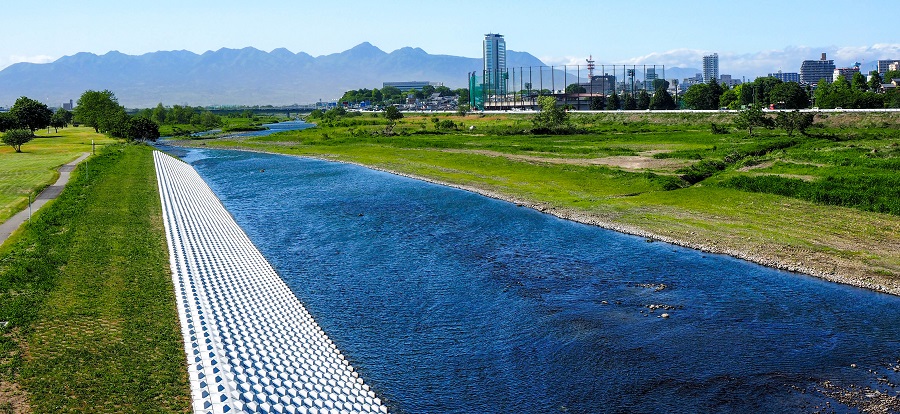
751	39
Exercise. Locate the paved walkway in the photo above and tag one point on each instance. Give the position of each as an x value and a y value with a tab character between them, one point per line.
251	345
49	193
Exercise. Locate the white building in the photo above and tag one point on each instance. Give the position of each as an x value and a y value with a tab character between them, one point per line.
710	67
495	63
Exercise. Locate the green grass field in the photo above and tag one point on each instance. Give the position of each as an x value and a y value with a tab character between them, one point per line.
631	169
87	291
35	167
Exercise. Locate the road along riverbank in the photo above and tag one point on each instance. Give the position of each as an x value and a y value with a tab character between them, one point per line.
49	193
251	345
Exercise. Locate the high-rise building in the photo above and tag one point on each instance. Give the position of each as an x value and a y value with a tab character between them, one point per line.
885	65
786	76
811	71
846	73
711	67
495	64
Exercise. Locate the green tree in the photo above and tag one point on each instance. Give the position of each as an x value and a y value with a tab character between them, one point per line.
116	124
60	119
427	90
643	100
575	88
874	81
793	121
142	129
715	94
552	116
390	92
597	103
16	137
628	102
752	117
789	95
859	82
8	122
657	83
463	96
31	114
159	114
662	100
392	114
97	109
731	98
377	96
697	97
612	102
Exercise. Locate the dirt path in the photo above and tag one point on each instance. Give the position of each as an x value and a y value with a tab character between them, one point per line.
642	162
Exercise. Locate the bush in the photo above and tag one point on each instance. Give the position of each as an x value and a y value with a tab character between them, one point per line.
718	129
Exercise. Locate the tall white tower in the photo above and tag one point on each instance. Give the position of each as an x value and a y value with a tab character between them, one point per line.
495	63
711	68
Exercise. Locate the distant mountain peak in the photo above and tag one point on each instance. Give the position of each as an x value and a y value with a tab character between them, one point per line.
234	76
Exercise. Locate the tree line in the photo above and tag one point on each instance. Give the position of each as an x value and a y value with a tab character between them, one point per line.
770	91
390	95
26	116
182	115
97	109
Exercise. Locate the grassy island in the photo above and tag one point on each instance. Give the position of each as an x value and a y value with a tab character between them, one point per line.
823	202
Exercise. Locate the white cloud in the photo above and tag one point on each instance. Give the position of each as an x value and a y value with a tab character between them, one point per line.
13	59
769	61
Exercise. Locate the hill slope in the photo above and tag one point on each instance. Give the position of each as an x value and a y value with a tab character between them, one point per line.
234	76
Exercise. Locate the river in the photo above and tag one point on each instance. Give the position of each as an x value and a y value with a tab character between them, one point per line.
451	302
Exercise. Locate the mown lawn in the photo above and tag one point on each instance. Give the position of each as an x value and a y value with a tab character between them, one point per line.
87	291
35	167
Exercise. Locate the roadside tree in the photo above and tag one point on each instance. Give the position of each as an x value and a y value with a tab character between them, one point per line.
31	114
789	95
16	137
731	98
697	97
662	100
643	100
612	102
628	102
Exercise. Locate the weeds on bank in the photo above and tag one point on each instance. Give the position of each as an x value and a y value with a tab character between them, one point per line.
86	285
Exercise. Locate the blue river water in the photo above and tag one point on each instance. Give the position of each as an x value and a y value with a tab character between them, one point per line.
450	302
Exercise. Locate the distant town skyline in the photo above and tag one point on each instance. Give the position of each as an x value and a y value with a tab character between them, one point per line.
750	40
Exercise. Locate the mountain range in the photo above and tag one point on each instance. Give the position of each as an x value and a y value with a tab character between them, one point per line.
238	76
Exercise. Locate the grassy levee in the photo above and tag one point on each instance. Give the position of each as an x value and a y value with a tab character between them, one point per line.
627	172
35	167
86	288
